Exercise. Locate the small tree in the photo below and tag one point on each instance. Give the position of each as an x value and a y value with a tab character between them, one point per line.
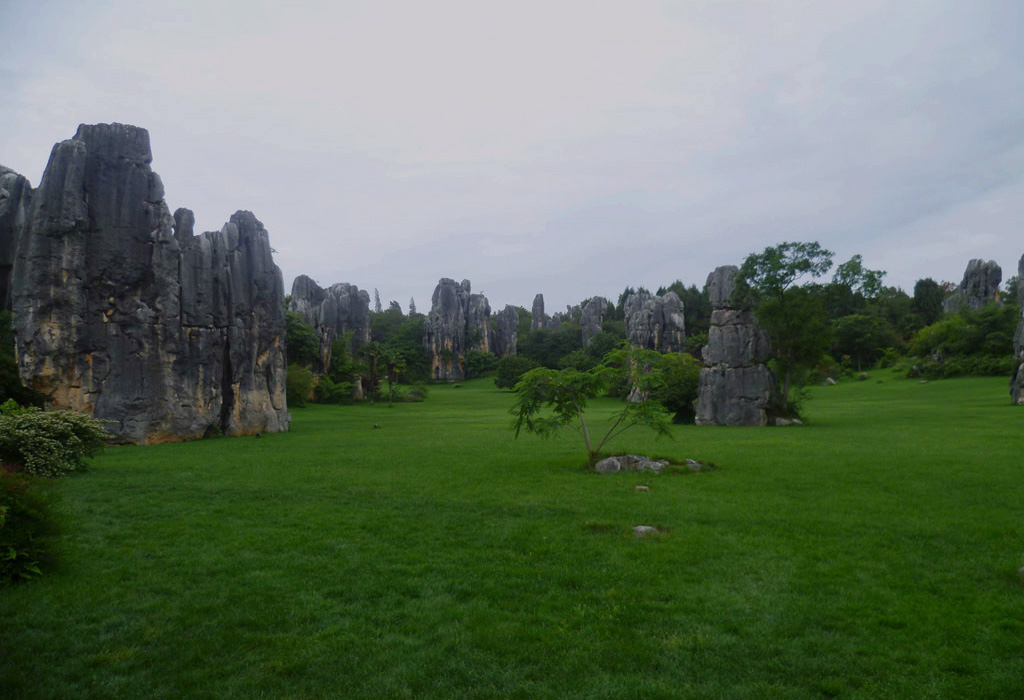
548	400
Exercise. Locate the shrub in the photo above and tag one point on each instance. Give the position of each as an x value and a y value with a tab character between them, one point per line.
299	385
328	391
479	363
26	524
511	369
48	443
680	377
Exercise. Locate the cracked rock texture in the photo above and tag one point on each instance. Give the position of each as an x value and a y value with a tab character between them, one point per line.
655	322
506	336
341	308
122	312
458	322
735	385
979	287
591	318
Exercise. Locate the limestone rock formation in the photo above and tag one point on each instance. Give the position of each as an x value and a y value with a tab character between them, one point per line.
980	286
591	318
459	321
735	385
507	334
655	322
121	312
341	308
539	319
1017	380
15	200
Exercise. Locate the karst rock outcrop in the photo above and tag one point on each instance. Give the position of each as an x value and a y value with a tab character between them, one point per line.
459	321
735	385
122	312
538	319
980	286
341	308
1017	380
15	201
655	322
506	335
591	318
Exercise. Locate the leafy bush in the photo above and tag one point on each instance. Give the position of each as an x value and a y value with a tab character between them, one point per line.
579	360
327	391
26	524
978	366
479	363
299	385
680	374
48	443
511	369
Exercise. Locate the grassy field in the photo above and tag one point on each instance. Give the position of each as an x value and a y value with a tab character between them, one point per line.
872	553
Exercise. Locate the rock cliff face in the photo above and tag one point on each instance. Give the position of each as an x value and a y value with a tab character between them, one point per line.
980	286
341	308
1017	380
655	322
539	319
507	334
459	321
15	203
121	312
735	385
591	318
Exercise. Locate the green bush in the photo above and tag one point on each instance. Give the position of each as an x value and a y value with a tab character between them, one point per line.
678	392
331	392
510	369
479	363
977	366
26	525
48	443
299	385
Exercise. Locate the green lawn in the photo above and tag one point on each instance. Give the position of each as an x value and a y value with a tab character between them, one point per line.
872	553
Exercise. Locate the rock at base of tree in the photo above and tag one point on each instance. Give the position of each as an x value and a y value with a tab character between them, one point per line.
829	381
630	463
779	422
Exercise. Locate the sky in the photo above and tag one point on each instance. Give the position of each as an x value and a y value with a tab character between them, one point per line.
571	148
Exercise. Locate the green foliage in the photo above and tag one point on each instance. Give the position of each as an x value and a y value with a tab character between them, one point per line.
603	343
510	369
927	302
330	392
969	366
988	332
773	271
10	381
547	346
793	317
27	524
478	363
300	385
579	360
863	337
302	347
48	443
679	389
548	400
858	279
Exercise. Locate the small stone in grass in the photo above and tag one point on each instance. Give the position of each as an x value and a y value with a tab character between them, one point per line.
641	487
644	530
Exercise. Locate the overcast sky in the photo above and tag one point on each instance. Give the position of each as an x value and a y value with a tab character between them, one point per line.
569	148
